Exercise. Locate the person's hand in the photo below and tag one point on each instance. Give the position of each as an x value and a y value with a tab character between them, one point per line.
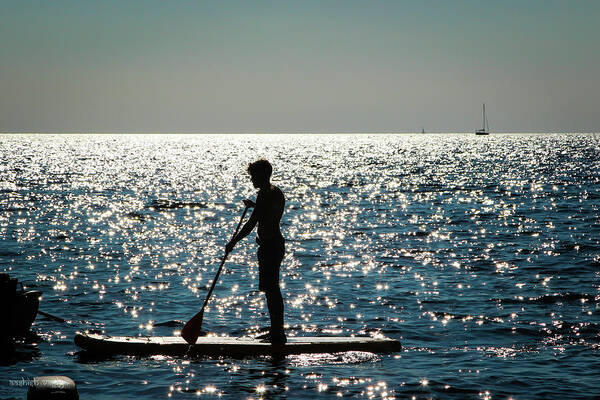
229	247
249	203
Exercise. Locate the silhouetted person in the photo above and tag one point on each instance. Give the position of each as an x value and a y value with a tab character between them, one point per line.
271	244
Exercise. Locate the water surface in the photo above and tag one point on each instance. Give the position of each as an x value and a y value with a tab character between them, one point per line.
481	254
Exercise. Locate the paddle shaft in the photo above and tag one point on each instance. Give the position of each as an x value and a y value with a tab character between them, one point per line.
193	327
237	229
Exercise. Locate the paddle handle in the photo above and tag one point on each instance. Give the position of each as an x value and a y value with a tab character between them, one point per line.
237	229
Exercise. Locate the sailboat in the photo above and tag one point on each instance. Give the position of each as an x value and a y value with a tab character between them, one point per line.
486	126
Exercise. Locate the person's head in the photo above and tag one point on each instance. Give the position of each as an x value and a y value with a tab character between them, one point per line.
260	172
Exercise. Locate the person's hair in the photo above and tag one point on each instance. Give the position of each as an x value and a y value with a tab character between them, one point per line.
260	169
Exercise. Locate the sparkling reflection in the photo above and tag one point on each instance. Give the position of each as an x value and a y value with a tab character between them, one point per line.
478	254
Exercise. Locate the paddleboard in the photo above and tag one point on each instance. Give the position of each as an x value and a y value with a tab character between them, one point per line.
229	346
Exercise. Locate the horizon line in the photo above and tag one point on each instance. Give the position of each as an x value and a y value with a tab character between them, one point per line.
275	132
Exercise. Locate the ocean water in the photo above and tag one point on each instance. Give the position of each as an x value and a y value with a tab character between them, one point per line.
481	254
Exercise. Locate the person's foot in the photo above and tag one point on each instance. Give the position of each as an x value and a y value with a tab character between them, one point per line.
273	339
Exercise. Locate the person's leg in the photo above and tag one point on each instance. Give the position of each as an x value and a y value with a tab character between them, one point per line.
269	261
275	305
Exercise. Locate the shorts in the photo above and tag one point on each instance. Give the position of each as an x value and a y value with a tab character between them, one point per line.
270	255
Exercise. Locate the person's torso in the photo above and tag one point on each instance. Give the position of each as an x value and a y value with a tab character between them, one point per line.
271	202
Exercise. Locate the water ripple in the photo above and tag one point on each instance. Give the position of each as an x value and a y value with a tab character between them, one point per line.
480	254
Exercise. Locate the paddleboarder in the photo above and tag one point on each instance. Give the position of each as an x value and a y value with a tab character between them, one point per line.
267	213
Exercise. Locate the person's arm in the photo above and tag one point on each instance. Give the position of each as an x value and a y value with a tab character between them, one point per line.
245	231
248	226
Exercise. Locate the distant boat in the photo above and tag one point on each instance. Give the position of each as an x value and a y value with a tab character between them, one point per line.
486	126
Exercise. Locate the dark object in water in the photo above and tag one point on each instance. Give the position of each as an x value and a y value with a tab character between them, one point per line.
163	204
18	308
52	317
230	346
52	388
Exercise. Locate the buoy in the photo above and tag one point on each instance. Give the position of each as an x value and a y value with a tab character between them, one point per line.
52	388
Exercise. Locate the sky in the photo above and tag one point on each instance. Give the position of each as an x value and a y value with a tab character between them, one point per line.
299	66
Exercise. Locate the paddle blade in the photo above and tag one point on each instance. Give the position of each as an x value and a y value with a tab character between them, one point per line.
193	328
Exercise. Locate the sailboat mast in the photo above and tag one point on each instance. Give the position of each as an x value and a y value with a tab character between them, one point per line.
484	116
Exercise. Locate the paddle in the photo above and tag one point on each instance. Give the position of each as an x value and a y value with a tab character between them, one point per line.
193	328
52	317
